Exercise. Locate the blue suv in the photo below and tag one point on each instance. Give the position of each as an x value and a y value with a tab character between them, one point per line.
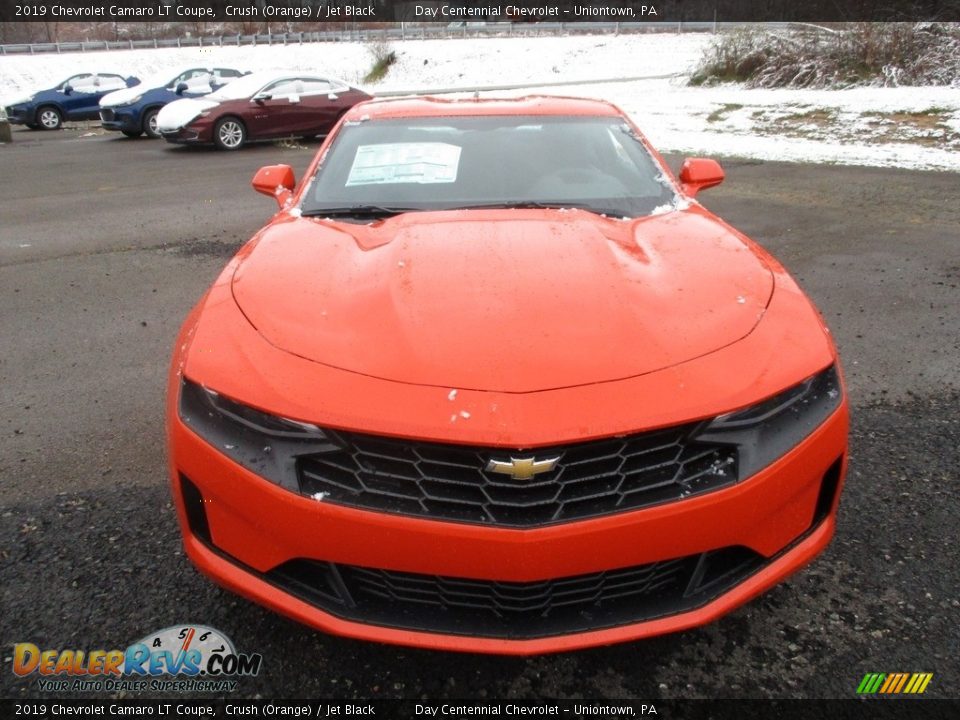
134	111
76	98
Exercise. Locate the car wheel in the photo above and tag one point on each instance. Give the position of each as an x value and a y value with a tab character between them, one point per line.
49	118
150	123
132	133
229	134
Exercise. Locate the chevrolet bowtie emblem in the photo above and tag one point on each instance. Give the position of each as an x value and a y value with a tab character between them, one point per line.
522	468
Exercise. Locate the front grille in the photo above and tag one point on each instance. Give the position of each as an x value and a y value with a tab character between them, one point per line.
106	114
516	610
451	482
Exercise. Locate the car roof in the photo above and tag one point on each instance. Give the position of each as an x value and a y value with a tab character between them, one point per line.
98	72
252	82
430	106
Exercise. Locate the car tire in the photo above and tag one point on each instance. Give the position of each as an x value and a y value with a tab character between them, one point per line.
132	133
49	118
150	123
229	133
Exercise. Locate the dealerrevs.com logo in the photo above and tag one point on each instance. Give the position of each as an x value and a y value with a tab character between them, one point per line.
896	683
181	658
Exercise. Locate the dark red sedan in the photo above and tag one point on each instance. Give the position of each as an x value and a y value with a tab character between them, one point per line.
259	106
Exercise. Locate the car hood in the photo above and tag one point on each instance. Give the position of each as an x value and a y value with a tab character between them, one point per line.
179	113
17	100
509	301
122	97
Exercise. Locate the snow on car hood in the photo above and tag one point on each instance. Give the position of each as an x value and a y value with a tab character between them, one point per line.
512	305
175	115
121	97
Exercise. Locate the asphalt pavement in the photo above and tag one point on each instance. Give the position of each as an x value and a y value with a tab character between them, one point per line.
105	243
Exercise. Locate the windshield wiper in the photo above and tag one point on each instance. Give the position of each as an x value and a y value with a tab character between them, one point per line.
515	205
365	212
359	211
537	205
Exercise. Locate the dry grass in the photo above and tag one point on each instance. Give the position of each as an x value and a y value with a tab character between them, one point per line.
856	54
383	57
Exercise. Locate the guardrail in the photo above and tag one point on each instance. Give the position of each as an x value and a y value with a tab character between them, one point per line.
400	31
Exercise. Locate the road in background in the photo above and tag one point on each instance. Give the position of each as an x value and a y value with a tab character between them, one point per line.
106	243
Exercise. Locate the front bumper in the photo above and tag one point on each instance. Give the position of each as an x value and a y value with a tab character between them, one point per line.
20	114
120	119
247	534
185	136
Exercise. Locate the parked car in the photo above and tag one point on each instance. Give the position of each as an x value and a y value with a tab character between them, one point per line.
133	111
76	98
492	380
259	106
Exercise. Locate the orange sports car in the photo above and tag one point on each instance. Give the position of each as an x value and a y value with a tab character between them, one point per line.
493	380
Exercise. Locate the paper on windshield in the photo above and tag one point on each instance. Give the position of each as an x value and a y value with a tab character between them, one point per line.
419	162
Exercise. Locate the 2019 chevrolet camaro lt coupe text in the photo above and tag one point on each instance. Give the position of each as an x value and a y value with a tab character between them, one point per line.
492	380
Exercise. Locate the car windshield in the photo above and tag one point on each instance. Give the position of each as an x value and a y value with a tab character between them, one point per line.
73	79
156	80
381	167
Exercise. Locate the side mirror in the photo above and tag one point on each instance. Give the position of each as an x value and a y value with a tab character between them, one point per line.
260	97
697	174
67	89
181	88
332	96
277	181
132	81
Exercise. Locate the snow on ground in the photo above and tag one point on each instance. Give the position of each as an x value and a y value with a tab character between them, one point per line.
885	127
421	64
894	127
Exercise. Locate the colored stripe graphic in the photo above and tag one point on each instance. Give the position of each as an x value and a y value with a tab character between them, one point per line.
894	683
899	687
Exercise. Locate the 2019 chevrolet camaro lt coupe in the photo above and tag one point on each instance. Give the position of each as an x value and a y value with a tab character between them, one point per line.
493	380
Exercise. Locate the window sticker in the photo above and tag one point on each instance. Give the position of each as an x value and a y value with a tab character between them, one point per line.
415	162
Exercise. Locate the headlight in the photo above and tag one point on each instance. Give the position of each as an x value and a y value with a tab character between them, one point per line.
133	100
768	430
265	444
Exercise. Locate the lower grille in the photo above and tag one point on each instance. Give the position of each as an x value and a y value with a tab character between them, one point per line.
482	608
453	482
106	114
